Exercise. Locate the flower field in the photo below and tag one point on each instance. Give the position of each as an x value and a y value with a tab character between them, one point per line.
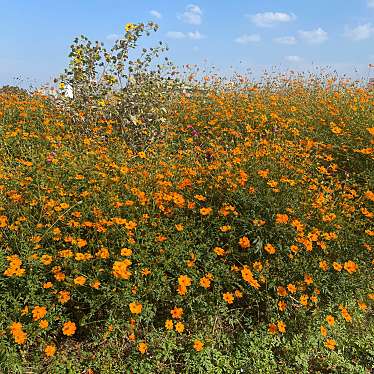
240	240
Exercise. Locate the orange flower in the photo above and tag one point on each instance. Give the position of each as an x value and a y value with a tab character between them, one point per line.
198	345
294	248
135	308
81	243
330	320
308	279
330	344
38	312
184	280
96	284
177	313
281	218
205	211
269	248
179	227
244	242
228	297
46	259
247	275
43	324
205	282
50	350
80	280
219	251
238	294
346	315
63	296
120	269
142	347
281	291
350	267
272	328
323	331
291	288
337	266
126	252
282	305
69	328
18	334
323	265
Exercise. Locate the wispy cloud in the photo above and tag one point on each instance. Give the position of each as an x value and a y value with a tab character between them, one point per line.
289	40
293	59
175	34
269	19
155	14
113	37
361	32
317	36
194	35
192	15
247	39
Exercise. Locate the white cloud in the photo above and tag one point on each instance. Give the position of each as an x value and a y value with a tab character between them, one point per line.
192	15
269	19
155	14
361	32
113	37
246	39
289	40
196	35
317	36
175	34
370	3
293	58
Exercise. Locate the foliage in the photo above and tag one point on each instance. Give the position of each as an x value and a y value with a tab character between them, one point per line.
122	87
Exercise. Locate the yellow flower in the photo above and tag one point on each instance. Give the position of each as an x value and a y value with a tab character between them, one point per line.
129	27
281	327
169	324
135	308
179	327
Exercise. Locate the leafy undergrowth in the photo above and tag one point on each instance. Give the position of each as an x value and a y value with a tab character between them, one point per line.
239	241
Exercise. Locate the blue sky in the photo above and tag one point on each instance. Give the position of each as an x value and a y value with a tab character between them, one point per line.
246	34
